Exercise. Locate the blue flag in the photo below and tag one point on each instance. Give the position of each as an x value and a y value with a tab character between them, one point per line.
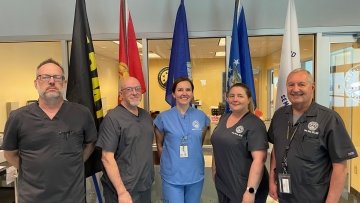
180	65
246	70
240	68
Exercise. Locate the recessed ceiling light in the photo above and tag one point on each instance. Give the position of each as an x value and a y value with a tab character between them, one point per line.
222	42
220	53
139	45
153	55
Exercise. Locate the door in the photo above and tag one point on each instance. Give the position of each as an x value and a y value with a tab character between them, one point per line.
340	64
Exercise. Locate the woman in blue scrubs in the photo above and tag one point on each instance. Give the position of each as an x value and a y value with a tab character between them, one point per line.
180	132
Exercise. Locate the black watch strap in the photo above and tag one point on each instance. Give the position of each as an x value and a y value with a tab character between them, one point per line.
251	190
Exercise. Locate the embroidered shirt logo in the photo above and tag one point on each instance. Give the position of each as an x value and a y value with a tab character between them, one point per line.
351	153
238	131
312	127
196	125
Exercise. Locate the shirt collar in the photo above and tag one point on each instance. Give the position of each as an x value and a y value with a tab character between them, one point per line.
35	108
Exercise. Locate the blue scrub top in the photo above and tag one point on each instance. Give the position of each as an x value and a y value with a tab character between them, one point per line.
179	129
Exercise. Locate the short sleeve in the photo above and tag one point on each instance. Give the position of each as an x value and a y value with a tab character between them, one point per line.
257	138
108	135
338	141
270	133
10	141
207	120
158	122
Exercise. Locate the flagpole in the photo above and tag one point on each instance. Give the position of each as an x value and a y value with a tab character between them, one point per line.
125	27
233	75
179	65
129	59
290	54
83	82
237	8
246	69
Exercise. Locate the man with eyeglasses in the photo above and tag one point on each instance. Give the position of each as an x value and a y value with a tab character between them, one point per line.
49	141
126	137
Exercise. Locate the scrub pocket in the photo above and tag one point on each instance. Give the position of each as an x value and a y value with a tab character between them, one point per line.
72	142
311	147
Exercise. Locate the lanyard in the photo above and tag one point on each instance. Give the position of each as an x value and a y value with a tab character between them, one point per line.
284	163
185	131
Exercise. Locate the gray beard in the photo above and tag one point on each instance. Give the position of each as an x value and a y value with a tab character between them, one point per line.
135	104
51	98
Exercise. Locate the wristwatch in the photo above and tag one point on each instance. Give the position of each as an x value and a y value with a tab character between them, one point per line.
251	190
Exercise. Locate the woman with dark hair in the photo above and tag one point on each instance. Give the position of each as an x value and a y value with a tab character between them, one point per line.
180	132
239	151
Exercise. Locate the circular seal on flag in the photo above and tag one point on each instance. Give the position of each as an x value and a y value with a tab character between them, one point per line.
196	124
313	125
239	129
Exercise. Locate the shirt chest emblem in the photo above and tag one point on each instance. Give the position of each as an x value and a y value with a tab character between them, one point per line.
196	125
312	127
239	130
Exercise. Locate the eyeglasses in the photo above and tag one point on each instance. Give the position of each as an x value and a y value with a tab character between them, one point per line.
131	89
45	77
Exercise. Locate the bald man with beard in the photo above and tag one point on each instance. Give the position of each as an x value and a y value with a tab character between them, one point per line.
126	137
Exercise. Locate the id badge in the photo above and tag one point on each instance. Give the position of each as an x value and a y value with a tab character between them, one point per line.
285	183
184	151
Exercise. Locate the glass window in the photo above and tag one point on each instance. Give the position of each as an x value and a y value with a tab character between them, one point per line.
207	73
106	55
18	62
344	94
266	53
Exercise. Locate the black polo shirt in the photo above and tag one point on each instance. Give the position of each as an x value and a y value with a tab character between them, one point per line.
51	151
320	140
130	137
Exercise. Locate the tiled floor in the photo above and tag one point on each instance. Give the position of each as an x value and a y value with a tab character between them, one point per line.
209	193
7	196
349	199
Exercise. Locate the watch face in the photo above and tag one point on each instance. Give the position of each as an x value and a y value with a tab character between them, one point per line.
251	190
163	76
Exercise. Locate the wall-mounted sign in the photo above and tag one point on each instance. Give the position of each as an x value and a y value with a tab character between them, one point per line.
163	76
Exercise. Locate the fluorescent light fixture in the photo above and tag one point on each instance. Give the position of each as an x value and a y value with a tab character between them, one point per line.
222	42
139	46
220	53
153	55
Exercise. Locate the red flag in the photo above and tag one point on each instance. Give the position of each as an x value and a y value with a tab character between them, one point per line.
129	59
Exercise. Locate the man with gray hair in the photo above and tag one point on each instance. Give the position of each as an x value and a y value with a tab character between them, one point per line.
126	136
48	141
310	147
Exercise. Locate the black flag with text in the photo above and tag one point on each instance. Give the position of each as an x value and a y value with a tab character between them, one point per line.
83	83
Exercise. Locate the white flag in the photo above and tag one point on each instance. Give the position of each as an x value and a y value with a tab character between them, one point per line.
290	54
